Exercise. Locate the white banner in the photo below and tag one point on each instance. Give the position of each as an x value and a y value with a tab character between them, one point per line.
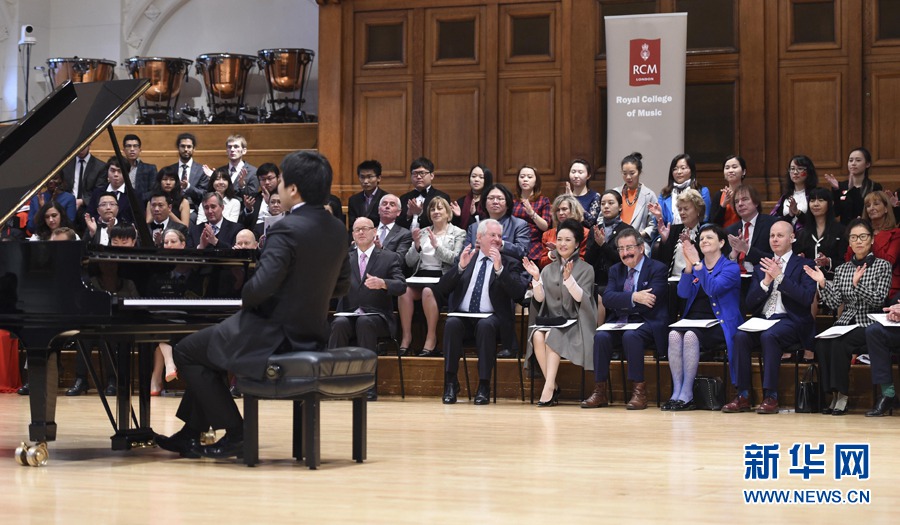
645	61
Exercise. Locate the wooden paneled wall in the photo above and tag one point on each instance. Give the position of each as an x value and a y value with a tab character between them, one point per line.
505	83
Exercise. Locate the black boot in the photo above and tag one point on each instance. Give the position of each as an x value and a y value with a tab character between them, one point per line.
80	387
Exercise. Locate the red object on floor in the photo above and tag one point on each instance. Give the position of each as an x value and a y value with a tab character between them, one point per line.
10	380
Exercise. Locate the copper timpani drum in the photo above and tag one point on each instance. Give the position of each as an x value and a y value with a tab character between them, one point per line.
287	72
225	77
79	70
166	75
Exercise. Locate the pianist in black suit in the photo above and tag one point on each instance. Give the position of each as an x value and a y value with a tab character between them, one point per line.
217	233
305	256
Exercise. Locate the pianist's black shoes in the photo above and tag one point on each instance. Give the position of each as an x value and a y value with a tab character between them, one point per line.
185	442
451	389
80	387
23	390
111	388
483	395
231	444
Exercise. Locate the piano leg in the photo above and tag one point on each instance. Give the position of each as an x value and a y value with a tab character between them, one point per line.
141	435
43	378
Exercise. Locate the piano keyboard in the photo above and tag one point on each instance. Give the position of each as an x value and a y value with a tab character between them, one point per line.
140	302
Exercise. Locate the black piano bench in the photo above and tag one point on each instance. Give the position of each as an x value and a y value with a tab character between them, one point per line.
306	378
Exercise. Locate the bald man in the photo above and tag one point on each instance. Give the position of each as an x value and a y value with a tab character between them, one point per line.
780	289
245	240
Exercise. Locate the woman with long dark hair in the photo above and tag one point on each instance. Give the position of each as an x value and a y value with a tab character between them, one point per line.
167	181
722	212
682	177
50	216
850	194
220	182
469	208
532	207
800	178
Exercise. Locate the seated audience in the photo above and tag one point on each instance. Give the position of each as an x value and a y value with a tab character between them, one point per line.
220	184
179	207
63	234
469	208
860	287
822	237
562	290
638	199
390	235
255	207
564	207
56	191
107	218
849	196
117	188
434	252
473	288
172	239
722	211
532	207
580	174
516	240
800	179
601	250
749	237
711	288
415	202
376	277
217	233
48	218
887	236
365	203
636	293
690	208
781	291
245	240
882	341
682	177
161	216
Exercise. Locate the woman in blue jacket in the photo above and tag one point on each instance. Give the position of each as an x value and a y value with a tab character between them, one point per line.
711	286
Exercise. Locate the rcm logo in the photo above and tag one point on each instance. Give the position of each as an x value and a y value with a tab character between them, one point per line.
644	65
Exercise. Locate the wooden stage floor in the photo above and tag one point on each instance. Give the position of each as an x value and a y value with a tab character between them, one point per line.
430	463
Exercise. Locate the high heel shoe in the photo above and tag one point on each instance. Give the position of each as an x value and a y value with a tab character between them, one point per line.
884	404
172	376
552	402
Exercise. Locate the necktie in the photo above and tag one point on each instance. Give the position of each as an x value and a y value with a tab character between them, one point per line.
232	172
742	255
362	267
78	176
215	230
629	281
772	301
382	234
475	302
184	174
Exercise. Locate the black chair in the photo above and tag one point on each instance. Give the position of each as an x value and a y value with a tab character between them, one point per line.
469	344
306	378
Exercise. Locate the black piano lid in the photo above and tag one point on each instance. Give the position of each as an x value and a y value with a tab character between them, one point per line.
50	135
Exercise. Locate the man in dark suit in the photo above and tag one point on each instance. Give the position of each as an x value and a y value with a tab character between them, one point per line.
160	211
194	182
881	341
243	174
390	235
415	202
255	209
117	188
376	277
143	176
636	293
365	203
217	233
84	174
306	258
779	289
749	237
483	281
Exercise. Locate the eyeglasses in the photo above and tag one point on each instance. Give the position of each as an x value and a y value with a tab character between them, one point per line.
420	173
363	229
861	237
797	170
627	248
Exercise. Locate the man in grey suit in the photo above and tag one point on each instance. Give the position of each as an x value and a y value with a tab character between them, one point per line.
376	277
84	174
194	182
243	174
389	235
305	257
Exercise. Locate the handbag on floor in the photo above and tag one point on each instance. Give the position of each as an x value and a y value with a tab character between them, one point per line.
808	395
709	393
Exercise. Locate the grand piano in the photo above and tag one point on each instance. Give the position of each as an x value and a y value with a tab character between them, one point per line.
46	296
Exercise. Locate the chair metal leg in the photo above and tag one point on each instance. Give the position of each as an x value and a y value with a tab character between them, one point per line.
495	377
297	441
251	430
521	375
466	371
359	428
400	366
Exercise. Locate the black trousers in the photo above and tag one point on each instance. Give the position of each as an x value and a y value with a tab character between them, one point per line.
881	341
207	401
834	358
486	331
366	328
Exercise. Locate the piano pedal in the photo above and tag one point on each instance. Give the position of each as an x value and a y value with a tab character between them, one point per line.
35	456
208	437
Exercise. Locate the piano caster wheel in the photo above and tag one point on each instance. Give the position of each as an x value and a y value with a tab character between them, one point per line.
22	454
208	437
35	456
